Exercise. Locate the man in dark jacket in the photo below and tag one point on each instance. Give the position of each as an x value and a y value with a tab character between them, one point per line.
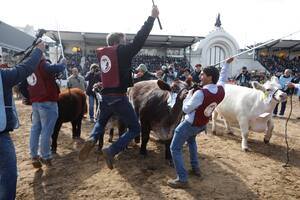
196	73
116	65
243	79
9	120
93	77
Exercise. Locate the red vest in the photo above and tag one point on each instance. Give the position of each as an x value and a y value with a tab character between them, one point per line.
109	66
42	86
210	102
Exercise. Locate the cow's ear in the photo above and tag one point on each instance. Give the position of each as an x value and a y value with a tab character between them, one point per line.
163	85
258	86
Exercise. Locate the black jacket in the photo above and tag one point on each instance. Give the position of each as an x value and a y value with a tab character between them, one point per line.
125	54
92	78
243	79
195	76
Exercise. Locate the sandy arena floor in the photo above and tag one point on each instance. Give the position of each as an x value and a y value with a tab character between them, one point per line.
228	173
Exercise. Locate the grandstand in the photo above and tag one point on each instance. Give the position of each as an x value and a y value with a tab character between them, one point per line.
158	50
280	55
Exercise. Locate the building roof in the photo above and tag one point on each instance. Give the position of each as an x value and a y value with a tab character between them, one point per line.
13	38
292	45
99	39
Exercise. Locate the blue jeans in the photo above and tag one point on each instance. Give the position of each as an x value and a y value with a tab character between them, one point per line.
44	116
282	109
92	100
8	168
121	107
185	132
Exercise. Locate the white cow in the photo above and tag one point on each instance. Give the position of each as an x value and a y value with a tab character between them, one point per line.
250	108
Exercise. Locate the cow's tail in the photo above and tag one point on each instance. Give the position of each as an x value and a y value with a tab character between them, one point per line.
130	97
84	105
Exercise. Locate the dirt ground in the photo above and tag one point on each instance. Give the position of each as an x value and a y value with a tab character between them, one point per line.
228	173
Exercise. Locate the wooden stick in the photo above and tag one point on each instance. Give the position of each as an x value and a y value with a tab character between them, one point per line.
157	17
248	50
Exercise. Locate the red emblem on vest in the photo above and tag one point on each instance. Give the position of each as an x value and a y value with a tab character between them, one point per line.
210	102
109	66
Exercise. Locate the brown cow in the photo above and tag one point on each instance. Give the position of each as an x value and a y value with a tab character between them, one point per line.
151	100
71	108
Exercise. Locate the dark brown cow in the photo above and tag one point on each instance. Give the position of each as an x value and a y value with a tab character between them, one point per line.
71	108
151	101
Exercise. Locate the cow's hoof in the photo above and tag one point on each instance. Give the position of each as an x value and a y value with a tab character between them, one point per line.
214	132
151	168
98	151
78	140
143	156
230	133
143	153
137	140
246	150
170	163
266	141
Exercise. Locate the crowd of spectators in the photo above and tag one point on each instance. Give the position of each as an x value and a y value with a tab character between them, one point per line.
73	60
153	63
277	64
246	77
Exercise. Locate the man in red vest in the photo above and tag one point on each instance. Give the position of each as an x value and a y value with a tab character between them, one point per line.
198	107
116	75
43	93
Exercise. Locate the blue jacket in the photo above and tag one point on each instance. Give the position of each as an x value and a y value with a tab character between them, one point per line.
284	81
11	77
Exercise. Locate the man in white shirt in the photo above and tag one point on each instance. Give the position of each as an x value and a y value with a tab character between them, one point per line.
198	107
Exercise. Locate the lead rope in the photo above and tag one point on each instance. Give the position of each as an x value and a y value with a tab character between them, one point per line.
286	136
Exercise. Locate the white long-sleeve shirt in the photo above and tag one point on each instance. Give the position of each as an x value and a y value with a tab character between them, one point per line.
297	86
193	101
